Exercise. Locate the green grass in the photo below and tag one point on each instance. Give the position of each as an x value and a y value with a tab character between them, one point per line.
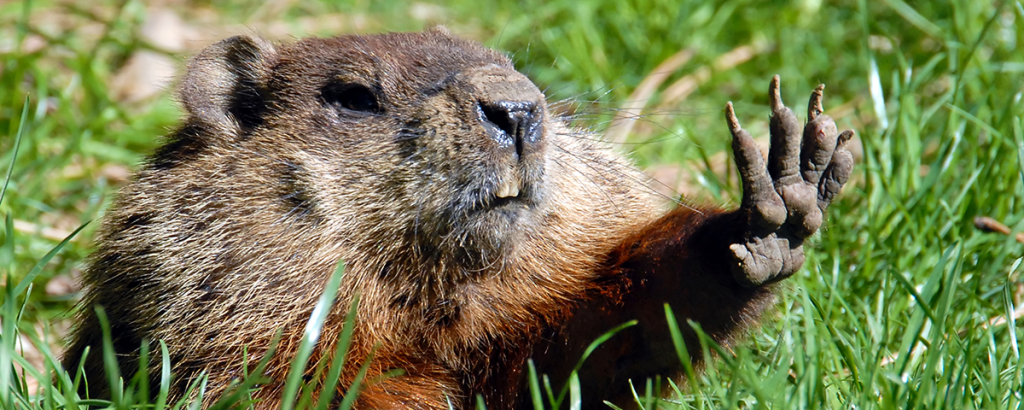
893	307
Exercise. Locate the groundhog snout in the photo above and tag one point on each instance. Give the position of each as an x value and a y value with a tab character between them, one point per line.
510	108
514	125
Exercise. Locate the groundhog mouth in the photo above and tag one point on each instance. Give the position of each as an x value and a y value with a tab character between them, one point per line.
502	202
507	194
507	197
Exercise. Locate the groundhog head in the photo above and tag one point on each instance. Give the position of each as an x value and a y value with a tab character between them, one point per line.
419	137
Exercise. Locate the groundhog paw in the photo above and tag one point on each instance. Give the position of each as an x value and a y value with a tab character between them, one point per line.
785	201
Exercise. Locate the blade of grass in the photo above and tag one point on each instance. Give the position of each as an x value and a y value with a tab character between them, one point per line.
80	371
680	345
7	341
252	379
110	365
845	351
575	398
915	18
1010	310
1018	136
61	390
8	246
353	390
917	321
17	144
310	337
142	375
340	353
535	392
586	353
550	391
45	259
922	302
165	377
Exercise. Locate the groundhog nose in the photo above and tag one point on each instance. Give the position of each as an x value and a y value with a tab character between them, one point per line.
512	124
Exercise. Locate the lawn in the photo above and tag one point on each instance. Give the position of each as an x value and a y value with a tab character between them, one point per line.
902	303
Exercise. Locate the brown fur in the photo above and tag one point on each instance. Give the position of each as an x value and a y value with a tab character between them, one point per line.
231	229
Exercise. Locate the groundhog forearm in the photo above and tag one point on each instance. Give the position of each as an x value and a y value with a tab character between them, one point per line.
679	260
711	267
682	260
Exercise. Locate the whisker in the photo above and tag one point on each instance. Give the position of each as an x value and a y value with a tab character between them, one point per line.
588	164
616	169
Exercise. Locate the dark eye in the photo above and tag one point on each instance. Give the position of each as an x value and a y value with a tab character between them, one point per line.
353	97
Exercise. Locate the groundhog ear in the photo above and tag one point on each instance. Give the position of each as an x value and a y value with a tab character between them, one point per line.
225	87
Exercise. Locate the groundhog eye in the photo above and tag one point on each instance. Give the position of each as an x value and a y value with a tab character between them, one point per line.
353	97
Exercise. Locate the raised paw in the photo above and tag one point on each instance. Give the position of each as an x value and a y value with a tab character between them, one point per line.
784	203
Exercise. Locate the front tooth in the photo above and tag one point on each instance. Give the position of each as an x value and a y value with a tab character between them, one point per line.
509	187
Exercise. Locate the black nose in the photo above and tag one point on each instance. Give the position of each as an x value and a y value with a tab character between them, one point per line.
512	123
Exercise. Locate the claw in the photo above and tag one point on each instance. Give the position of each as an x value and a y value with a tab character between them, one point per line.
814	108
844	137
774	96
730	117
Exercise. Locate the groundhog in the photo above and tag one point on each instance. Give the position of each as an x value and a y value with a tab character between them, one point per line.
479	230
